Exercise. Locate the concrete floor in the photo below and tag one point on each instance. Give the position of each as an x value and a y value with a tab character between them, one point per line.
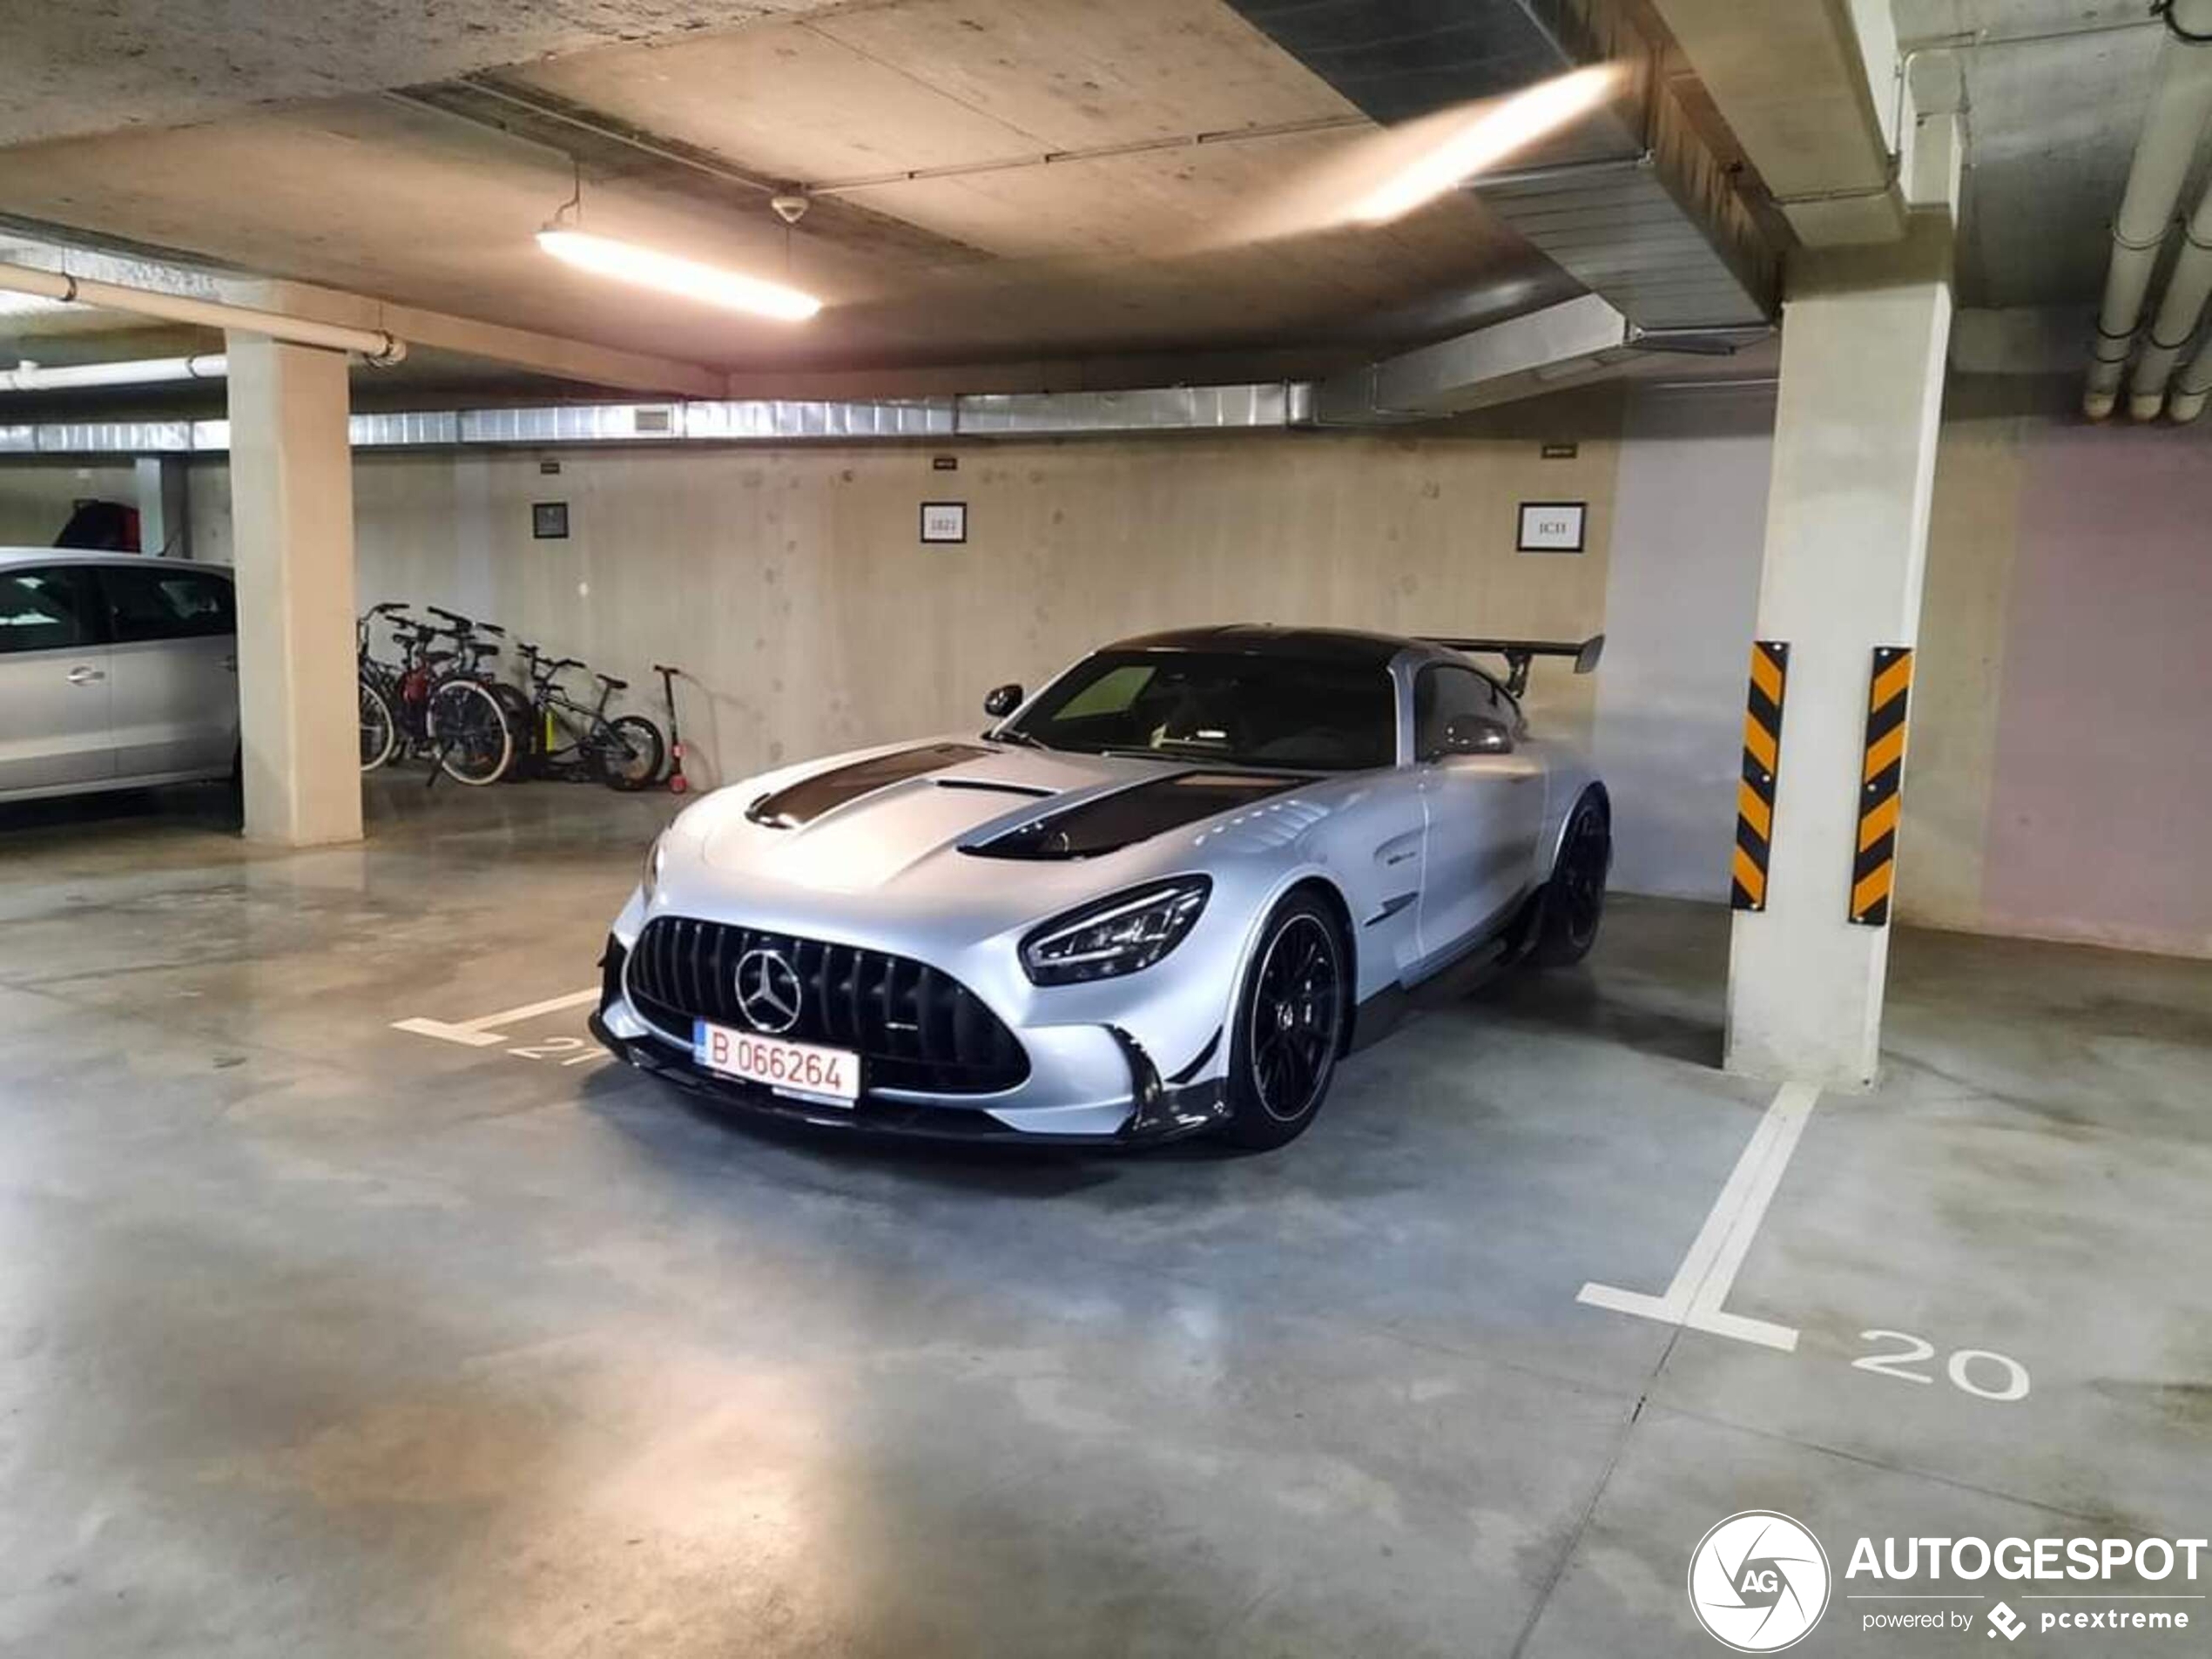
321	1337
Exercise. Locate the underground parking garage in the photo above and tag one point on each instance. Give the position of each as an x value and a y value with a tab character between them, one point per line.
1017	827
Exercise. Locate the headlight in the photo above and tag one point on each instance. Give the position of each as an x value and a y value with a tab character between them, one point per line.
649	879
1118	935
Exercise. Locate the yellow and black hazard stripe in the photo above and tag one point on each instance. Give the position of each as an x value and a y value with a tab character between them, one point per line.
1762	766
1874	868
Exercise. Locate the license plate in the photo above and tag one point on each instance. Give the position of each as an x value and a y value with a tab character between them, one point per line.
798	1068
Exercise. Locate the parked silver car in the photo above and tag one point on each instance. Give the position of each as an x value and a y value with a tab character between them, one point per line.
1161	897
116	672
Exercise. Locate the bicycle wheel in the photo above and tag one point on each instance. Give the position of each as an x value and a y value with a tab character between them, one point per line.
380	733
468	732
630	753
522	721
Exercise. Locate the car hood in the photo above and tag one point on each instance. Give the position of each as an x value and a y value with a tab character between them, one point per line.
960	815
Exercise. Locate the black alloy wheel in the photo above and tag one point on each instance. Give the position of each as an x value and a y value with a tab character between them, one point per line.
1289	1026
1574	903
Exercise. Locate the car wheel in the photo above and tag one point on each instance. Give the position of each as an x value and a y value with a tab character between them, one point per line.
1575	897
1289	1026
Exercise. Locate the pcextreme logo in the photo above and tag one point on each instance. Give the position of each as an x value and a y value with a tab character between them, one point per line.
1758	1581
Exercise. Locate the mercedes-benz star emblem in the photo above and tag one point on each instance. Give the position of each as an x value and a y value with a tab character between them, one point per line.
768	991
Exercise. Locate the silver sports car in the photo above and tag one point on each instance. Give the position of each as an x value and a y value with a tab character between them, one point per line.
1164	895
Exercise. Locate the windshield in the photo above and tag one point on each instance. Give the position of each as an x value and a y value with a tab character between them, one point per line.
1222	708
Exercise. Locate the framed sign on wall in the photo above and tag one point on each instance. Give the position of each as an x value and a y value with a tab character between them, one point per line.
550	519
944	521
1551	526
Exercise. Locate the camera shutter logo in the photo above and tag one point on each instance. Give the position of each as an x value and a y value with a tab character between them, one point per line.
1758	1581
768	991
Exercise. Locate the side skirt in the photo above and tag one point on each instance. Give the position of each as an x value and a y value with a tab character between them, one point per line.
1481	961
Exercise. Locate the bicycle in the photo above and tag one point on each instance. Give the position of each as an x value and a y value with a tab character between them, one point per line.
570	739
380	728
440	704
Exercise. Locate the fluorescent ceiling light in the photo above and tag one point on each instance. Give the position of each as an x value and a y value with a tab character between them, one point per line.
626	262
30	377
1484	138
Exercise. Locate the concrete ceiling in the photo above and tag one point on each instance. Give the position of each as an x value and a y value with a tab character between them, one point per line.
2056	92
409	152
98	65
429	193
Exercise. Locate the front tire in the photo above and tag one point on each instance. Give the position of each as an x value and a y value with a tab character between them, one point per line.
1574	901
1289	1026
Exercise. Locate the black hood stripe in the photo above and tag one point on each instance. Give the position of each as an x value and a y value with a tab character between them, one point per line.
801	803
1108	823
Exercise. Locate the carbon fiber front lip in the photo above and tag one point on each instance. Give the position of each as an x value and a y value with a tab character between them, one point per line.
1195	1108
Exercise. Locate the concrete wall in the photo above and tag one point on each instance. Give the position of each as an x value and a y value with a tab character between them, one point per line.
1682	593
36	497
2061	779
792	585
2076	802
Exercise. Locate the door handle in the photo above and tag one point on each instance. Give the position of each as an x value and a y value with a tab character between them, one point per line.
86	675
231	662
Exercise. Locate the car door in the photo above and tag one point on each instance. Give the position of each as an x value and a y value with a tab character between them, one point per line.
174	655
54	685
1483	814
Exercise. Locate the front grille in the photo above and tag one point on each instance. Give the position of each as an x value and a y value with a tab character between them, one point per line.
913	1026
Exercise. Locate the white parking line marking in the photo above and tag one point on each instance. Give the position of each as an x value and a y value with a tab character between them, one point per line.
479	1033
1699	1291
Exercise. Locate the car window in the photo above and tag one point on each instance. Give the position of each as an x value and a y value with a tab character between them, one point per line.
1442	694
1110	693
44	608
1245	710
166	602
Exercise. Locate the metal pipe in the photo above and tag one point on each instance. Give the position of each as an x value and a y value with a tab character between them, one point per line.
2180	106
2187	289
372	344
2194	386
32	377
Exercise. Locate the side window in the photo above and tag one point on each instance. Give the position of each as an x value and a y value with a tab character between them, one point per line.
166	601
45	608
1442	694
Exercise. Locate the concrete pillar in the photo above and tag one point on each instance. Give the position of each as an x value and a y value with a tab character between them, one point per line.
165	521
1863	343
292	515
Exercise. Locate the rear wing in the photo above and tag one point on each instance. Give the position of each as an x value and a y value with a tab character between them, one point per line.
1520	653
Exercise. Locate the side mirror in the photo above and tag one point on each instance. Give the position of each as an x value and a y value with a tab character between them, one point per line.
1002	701
1475	734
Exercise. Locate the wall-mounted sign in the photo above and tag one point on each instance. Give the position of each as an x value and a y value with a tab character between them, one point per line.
944	521
1551	527
944	463
1561	451
550	519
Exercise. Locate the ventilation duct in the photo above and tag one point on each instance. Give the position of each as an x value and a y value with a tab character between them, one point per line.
1631	204
1494	365
1266	406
